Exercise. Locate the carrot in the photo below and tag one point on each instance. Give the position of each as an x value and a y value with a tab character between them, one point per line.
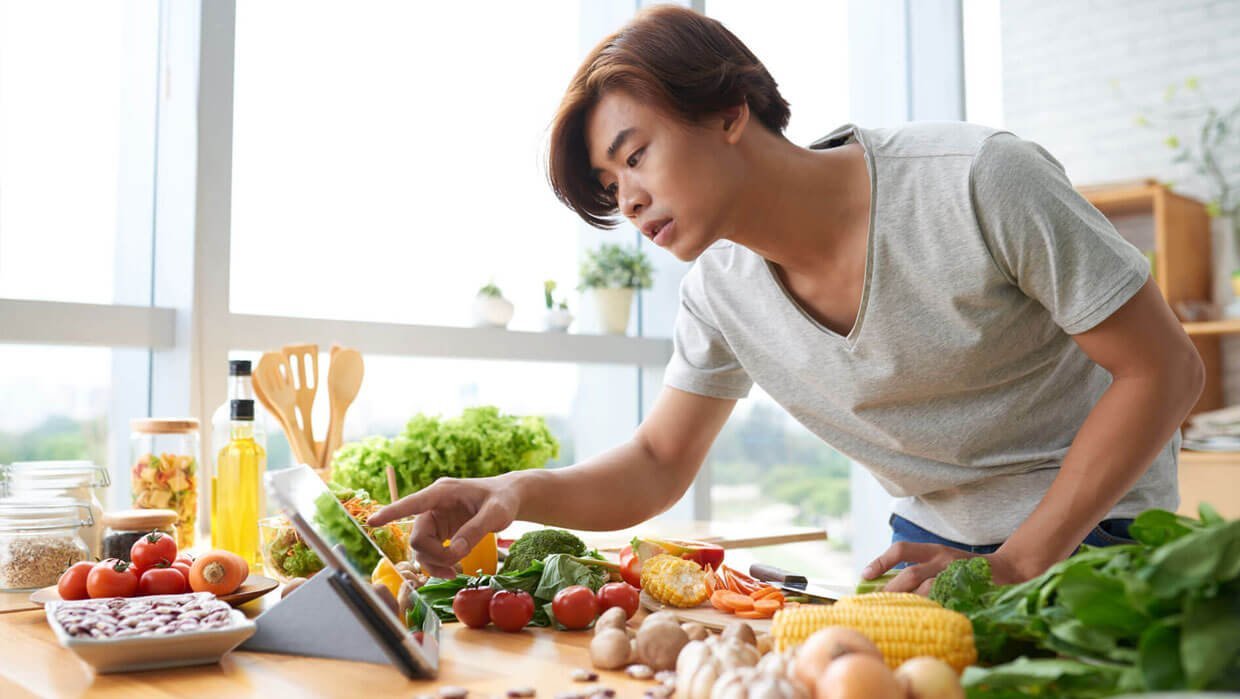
736	601
716	601
763	593
752	615
219	572
767	606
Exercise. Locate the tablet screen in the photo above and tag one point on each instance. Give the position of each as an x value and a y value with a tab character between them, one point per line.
344	545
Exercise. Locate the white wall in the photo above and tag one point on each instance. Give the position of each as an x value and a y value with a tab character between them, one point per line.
1061	61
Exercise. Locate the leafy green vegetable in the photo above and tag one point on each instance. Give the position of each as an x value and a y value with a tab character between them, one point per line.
480	442
1161	614
962	584
540	543
342	530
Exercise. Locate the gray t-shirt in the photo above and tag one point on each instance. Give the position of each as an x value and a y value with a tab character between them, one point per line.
959	386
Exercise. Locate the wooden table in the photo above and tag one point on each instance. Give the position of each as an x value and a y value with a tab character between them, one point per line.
487	662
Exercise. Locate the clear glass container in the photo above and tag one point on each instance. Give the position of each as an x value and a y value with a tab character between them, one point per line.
122	528
78	481
165	456
39	540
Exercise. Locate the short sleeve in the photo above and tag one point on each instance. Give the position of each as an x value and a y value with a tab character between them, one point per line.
702	361
1047	239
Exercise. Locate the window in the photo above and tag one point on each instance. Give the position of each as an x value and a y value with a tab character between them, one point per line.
805	48
77	92
56	403
983	63
391	177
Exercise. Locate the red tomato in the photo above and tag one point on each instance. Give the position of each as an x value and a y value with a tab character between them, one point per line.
512	610
630	567
182	566
472	605
153	549
112	577
162	581
72	583
618	594
575	607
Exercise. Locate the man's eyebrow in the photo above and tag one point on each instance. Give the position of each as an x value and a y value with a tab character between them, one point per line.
616	143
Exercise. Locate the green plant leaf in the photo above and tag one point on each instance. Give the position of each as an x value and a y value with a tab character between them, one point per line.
1159	653
1210	640
1100	602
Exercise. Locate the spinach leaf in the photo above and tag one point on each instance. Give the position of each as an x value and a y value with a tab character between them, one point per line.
1210	640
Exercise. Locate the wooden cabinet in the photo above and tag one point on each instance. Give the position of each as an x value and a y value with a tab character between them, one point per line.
1176	230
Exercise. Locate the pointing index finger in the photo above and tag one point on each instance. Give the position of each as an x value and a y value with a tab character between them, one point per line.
416	503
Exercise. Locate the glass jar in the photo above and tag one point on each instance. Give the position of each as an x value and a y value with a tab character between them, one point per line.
39	540
124	527
78	481
164	454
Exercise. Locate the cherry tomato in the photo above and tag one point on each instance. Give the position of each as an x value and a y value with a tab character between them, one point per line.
153	549
72	583
472	605
630	567
112	577
575	607
617	594
512	610
162	581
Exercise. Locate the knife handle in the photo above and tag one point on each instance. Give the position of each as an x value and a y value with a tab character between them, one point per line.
770	573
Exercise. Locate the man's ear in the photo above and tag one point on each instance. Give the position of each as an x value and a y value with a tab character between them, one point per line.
735	119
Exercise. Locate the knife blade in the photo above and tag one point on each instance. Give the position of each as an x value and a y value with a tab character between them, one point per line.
797	584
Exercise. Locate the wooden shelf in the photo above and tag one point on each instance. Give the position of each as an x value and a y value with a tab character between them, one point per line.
1190	457
1213	327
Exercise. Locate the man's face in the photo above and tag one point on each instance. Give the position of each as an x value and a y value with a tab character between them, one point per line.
670	179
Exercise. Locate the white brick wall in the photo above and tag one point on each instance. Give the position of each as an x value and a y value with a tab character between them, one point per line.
1060	60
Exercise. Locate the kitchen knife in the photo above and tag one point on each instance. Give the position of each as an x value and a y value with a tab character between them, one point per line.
797	584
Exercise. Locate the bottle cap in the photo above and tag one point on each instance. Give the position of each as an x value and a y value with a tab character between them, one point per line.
238	367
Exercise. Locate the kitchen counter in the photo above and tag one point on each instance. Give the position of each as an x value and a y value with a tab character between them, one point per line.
488	662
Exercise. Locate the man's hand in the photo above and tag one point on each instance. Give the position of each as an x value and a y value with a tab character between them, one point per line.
928	560
460	510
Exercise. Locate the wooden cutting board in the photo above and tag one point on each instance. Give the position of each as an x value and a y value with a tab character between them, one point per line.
705	615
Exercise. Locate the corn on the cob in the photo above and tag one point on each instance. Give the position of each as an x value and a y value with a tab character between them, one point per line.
674	581
890	599
901	630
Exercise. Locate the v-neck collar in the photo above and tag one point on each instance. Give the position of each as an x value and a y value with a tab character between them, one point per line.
839	137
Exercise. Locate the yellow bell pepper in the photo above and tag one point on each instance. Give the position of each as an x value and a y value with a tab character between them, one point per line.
386	574
484	556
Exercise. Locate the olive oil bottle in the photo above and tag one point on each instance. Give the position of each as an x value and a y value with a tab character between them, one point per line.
238	500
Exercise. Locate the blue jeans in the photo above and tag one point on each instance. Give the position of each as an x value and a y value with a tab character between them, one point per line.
1109	532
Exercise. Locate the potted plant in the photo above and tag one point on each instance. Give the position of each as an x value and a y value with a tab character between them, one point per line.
490	308
557	318
612	274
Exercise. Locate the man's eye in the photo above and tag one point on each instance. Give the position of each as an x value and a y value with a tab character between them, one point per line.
611	189
633	159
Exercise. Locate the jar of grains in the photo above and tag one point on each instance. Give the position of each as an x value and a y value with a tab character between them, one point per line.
78	481
39	540
164	454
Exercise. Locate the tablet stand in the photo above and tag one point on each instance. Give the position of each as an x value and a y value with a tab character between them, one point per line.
315	620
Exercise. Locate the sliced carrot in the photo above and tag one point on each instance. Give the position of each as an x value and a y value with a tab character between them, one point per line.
752	615
764	592
767	606
716	601
737	601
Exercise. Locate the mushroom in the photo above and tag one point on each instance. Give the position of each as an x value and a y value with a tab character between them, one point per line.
610	648
696	631
742	631
613	618
659	643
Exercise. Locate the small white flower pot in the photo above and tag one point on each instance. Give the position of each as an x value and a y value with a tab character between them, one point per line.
614	306
557	320
492	312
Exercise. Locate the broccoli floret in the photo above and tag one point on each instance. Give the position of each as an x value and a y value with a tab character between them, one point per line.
537	545
962	583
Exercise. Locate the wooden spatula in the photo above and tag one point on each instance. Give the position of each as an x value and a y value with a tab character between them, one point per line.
344	380
303	360
273	380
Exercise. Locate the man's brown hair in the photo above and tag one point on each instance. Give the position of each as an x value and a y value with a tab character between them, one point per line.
687	64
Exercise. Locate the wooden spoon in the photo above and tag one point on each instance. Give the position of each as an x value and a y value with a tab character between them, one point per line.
344	380
273	381
305	383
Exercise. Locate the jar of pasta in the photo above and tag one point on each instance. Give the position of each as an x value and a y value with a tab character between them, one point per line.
164	453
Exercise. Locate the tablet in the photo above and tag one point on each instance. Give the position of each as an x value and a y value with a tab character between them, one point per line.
410	637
